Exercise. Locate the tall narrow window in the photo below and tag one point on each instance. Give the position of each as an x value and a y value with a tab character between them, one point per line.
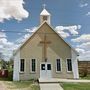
69	65
58	63
33	65
22	65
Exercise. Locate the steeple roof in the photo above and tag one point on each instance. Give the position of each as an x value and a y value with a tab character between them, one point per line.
45	12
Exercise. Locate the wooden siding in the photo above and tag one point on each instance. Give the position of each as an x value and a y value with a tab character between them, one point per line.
84	65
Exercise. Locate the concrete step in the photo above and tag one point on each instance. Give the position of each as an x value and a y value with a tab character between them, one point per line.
56	80
48	80
50	86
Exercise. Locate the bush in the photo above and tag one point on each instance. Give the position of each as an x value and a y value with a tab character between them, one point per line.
84	72
10	76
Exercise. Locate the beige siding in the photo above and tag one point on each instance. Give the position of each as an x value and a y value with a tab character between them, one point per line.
57	49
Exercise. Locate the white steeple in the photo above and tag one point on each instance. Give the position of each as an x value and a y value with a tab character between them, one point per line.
44	15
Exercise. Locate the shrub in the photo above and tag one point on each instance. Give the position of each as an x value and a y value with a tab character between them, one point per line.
84	72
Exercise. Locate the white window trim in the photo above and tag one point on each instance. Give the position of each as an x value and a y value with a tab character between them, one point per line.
20	66
67	65
31	65
60	65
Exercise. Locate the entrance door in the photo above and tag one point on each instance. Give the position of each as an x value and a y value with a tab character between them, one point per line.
45	70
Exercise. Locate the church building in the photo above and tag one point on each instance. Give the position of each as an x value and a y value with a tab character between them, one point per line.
45	54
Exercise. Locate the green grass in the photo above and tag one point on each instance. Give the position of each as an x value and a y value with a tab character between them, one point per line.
22	85
75	86
87	77
4	79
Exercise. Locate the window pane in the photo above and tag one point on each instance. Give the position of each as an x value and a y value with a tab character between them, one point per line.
42	66
69	64
48	66
33	65
58	65
22	65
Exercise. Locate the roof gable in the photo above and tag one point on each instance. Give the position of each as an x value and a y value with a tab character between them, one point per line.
37	31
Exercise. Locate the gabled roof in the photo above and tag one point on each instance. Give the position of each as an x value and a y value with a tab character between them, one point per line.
54	31
45	12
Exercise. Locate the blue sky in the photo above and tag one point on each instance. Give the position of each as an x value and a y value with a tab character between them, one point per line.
71	18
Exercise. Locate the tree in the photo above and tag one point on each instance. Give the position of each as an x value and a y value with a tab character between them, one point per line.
1	56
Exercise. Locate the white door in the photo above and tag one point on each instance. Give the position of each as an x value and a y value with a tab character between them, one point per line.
45	70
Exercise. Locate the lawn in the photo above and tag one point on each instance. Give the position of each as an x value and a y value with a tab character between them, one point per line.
22	85
87	77
75	86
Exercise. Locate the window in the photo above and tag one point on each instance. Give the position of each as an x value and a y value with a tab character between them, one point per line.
22	65
44	18
69	65
33	65
42	66
58	63
48	66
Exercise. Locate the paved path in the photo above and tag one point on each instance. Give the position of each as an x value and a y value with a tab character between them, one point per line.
2	86
50	86
53	83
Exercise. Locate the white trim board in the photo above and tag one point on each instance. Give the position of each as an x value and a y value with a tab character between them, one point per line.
16	67
75	65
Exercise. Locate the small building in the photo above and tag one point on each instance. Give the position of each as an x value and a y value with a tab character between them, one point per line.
84	67
45	54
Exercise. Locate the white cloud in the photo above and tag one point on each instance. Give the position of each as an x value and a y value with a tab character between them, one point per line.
82	38
1	46
31	30
2	35
62	33
83	47
73	29
83	5
88	14
85	56
12	9
80	50
6	47
70	30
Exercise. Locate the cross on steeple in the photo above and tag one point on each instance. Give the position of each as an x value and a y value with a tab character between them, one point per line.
45	15
44	6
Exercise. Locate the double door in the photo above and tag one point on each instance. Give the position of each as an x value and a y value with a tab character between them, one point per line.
45	70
